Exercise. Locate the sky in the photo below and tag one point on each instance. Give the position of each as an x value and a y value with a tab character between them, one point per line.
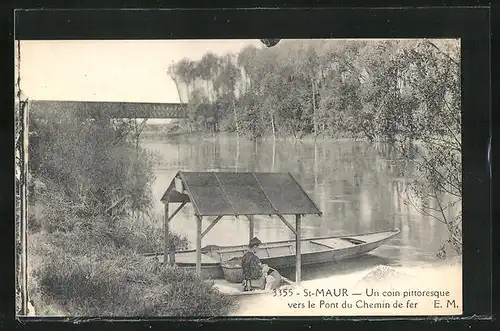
124	70
111	70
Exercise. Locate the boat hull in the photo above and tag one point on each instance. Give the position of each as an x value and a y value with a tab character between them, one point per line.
207	271
318	250
331	255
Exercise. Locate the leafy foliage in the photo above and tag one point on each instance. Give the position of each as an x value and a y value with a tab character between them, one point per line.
82	168
111	284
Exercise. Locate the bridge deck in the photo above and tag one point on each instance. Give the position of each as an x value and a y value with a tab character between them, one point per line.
113	109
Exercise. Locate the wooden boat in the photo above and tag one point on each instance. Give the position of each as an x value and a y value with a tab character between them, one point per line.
281	254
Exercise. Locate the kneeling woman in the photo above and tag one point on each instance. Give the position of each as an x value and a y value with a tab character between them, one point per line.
255	274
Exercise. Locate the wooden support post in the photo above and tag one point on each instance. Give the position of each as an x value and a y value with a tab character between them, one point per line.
165	235
282	218
198	245
171	255
217	219
176	211
298	252
251	228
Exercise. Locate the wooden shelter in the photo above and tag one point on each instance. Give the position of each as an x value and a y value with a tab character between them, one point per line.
236	194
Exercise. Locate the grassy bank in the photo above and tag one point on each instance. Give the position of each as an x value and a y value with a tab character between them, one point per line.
72	274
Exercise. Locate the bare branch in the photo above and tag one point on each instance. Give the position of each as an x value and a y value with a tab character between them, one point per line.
443	53
116	203
441	209
430	168
451	131
420	210
447	144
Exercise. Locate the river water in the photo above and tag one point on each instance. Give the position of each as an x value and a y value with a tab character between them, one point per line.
359	187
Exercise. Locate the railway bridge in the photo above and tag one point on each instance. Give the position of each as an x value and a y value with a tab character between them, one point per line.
112	109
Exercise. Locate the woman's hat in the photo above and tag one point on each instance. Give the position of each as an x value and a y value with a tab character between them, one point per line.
254	242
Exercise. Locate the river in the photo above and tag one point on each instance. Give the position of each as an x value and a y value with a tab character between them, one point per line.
359	187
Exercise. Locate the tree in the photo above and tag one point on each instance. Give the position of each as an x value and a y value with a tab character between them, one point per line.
89	167
415	96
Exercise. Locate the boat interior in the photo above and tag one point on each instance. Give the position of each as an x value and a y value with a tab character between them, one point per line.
213	254
269	250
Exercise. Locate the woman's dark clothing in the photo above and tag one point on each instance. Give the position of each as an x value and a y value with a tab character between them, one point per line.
252	268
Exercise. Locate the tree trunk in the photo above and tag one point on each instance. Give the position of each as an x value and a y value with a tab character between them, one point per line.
274	155
209	93
236	120
237	157
314	106
272	125
315	165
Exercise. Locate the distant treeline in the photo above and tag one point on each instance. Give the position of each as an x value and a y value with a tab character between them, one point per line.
370	89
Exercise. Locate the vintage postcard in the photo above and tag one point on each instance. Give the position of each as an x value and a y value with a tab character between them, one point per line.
292	177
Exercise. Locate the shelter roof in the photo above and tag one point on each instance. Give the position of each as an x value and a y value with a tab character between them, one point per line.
240	193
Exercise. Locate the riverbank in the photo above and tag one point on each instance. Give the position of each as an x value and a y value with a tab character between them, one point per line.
160	136
113	282
381	290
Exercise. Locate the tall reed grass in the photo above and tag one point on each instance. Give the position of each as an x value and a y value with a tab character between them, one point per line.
105	281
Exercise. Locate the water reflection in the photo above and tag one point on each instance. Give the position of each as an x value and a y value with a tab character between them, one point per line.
359	187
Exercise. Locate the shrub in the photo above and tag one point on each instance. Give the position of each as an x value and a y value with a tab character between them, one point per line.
86	168
127	285
144	236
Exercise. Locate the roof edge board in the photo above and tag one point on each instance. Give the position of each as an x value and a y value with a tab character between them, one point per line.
305	193
165	197
193	201
256	214
224	193
277	212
